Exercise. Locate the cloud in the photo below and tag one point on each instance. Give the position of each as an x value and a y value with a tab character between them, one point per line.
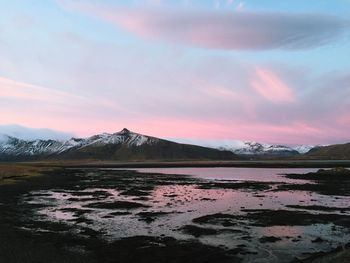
19	90
37	106
222	30
271	87
26	133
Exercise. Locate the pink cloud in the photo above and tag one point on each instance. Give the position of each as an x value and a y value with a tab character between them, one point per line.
221	94
14	89
27	92
221	30
216	90
269	85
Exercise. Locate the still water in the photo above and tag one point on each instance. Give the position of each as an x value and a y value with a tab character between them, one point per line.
233	173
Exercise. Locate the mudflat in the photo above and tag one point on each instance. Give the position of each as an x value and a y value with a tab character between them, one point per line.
113	215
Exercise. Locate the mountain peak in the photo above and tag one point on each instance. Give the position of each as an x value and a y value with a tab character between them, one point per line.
125	131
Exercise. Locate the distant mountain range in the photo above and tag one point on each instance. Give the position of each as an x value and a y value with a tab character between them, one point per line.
123	145
255	148
128	146
252	148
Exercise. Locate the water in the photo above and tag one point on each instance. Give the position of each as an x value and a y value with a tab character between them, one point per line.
233	173
184	194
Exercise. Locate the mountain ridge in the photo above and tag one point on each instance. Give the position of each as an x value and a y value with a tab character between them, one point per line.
122	145
127	145
251	148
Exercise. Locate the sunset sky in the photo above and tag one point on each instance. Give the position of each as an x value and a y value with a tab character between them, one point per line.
271	71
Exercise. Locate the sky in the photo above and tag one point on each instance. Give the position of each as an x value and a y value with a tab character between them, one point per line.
270	71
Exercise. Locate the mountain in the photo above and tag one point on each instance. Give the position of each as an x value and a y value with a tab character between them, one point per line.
255	148
123	145
302	149
335	152
252	148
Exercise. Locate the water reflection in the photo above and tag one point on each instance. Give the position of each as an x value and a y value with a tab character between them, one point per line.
232	173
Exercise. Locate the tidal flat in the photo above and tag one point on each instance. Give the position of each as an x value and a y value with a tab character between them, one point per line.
173	215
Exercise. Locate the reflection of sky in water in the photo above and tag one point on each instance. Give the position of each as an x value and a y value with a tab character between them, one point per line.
184	202
233	173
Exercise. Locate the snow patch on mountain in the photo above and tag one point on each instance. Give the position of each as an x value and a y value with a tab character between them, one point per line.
123	137
304	148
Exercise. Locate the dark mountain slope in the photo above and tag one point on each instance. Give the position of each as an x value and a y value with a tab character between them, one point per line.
331	152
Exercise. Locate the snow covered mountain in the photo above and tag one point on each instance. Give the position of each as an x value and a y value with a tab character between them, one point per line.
251	148
302	149
18	147
255	148
123	145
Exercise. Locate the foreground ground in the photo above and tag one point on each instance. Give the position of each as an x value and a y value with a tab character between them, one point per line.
25	237
58	242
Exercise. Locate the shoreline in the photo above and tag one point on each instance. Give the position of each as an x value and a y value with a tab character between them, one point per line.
194	164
